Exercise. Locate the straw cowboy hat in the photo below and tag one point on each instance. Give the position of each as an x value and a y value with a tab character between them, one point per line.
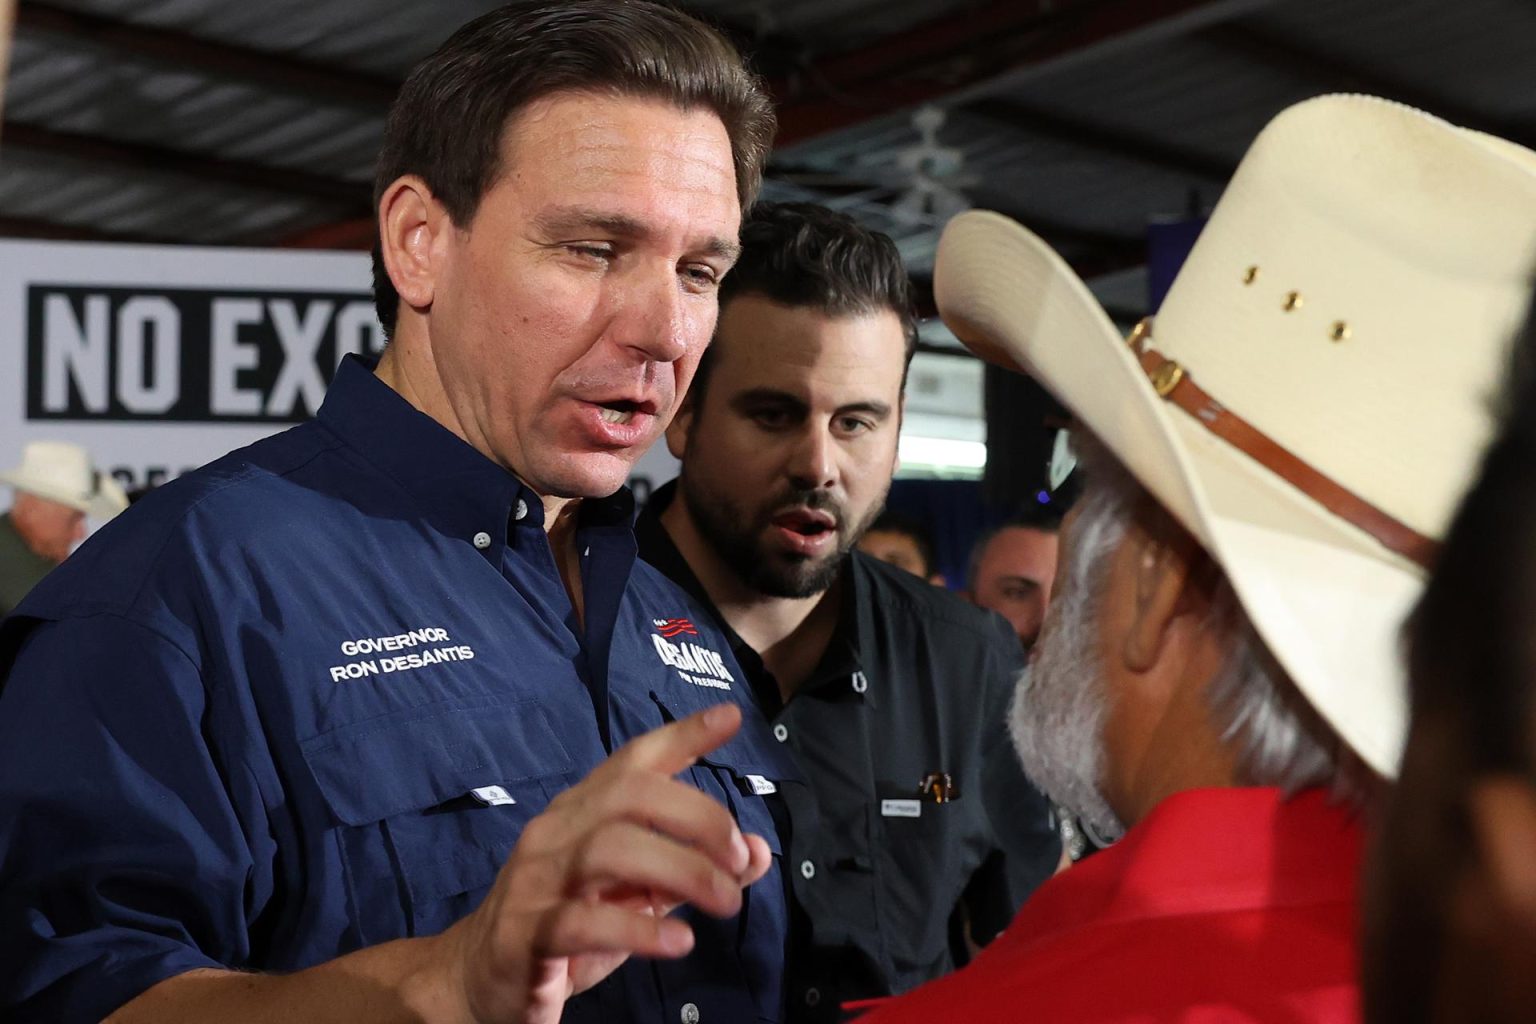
61	472
1314	395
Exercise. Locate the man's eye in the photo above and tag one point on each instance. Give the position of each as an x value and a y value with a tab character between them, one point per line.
701	276
599	253
770	418
851	425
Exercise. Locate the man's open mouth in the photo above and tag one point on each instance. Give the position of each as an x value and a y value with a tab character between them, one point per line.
622	411
805	521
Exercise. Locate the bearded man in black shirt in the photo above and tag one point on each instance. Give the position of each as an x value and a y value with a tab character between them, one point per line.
919	827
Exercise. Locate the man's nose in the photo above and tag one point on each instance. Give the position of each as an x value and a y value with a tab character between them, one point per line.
813	462
652	317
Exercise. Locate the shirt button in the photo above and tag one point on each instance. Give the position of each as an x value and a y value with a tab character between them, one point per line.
781	732
690	1014
521	512
812	996
482	540
860	683
807	869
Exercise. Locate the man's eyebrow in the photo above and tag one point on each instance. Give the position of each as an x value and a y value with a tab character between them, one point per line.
755	396
879	410
567	221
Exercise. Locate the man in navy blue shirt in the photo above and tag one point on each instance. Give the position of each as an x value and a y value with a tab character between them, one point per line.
323	731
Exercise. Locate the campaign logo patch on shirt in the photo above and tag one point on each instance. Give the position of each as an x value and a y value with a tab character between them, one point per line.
695	663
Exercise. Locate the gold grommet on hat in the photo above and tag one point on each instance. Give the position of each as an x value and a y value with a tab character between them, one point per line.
1340	331
1251	275
1292	301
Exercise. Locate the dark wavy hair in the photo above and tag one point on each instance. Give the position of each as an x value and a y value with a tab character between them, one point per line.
805	255
448	122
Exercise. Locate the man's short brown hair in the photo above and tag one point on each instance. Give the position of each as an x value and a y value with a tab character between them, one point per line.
449	120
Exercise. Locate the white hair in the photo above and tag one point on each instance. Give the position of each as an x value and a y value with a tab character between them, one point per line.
1278	739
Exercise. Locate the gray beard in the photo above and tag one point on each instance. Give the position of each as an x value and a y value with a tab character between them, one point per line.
1057	715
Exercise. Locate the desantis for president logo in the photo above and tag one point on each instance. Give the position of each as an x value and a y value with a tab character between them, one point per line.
695	663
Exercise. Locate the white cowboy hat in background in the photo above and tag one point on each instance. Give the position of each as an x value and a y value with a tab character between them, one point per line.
61	472
1344	322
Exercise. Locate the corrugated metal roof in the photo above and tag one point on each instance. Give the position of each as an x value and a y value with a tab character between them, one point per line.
1090	143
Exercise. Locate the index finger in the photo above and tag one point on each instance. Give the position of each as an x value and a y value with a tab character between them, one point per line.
675	746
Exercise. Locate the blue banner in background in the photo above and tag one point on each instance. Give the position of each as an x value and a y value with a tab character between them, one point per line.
1168	244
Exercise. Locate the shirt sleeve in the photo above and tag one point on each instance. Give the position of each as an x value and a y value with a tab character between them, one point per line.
1027	847
122	859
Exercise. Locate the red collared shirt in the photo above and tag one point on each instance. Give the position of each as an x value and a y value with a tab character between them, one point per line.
1222	906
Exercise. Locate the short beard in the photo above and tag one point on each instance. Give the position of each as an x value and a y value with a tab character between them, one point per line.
735	535
1059	706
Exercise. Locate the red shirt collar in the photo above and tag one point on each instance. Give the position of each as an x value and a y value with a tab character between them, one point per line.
1206	851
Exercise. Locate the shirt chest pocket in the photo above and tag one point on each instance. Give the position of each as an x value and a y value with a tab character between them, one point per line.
744	775
428	806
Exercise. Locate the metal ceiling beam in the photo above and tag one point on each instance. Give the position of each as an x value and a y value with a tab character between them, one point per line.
992	41
1285	55
219	60
29	227
135	156
1138	147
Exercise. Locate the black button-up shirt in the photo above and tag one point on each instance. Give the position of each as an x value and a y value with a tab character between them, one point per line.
914	681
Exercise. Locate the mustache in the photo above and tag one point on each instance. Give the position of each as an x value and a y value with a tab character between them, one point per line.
812	498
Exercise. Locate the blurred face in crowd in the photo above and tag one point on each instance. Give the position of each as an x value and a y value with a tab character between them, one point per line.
899	549
567	318
50	529
1014	576
788	456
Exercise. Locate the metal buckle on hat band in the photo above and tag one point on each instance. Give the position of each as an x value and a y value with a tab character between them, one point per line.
1173	383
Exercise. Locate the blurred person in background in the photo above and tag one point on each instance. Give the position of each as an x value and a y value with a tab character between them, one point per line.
1012	568
1268	472
905	542
1451	914
56	490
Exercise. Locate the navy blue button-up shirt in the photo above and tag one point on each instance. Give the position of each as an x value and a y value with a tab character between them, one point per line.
304	700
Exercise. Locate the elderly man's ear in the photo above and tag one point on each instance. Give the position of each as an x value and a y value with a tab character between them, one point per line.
1174	585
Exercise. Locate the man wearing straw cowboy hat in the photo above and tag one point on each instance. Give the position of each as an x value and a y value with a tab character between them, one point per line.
1270	467
56	489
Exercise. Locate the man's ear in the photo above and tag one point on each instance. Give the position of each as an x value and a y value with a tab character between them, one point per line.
677	430
413	229
1166	560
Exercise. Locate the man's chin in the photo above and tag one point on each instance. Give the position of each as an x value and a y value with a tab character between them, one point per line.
796	576
583	475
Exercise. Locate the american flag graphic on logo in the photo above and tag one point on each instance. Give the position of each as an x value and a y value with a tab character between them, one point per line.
670	628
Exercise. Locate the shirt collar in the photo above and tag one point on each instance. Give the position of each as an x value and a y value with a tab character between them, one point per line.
1207	851
459	490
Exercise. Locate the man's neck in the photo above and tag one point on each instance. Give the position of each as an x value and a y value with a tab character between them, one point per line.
405	367
560	518
790	634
